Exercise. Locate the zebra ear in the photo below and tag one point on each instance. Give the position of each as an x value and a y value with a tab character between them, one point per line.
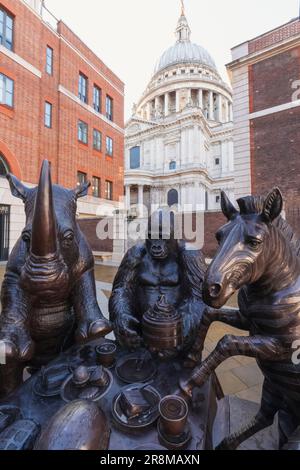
273	205
227	207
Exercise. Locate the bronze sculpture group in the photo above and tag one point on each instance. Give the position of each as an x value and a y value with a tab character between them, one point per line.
159	316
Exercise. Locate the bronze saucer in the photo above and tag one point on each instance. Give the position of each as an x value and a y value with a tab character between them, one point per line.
143	420
50	379
174	442
69	392
136	368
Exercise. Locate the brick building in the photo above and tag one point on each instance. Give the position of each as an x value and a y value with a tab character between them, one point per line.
265	74
58	101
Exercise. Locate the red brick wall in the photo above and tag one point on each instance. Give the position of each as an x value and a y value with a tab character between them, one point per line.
275	157
212	222
271	80
89	229
274	37
22	131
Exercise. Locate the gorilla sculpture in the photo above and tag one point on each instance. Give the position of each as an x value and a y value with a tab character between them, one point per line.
48	294
160	266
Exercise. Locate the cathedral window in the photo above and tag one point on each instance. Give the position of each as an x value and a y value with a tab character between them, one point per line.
135	158
172	197
172	165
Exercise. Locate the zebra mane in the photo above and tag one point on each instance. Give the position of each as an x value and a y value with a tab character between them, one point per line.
255	204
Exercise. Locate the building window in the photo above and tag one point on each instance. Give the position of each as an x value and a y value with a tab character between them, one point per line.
97	99
172	197
108	190
97	140
4	167
217	161
48	114
83	88
83	131
49	60
6	91
135	158
183	71
96	186
109	146
172	165
81	178
109	108
217	199
6	29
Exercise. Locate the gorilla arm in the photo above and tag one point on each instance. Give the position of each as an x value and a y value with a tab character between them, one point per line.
123	300
193	268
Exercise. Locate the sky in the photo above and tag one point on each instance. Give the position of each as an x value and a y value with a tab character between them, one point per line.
130	35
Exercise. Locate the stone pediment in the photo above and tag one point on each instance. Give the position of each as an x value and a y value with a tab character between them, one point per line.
137	125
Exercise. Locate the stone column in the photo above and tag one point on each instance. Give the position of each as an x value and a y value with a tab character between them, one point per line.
226	111
200	98
127	196
157	102
189	96
140	200
230	112
177	101
149	106
211	106
220	106
167	104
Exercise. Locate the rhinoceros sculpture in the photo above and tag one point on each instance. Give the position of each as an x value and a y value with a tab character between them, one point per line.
48	294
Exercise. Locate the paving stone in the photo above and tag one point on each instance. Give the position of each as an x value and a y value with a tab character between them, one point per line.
244	360
249	374
230	383
241	413
210	345
251	394
229	364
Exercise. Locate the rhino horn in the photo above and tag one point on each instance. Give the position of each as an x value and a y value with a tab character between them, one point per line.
43	240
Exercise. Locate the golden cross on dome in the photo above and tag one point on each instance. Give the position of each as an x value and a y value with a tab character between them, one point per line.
182	7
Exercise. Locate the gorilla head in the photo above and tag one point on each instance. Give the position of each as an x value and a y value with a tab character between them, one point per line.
161	229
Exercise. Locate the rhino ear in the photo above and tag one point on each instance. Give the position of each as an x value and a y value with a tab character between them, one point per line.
273	205
82	190
227	207
17	188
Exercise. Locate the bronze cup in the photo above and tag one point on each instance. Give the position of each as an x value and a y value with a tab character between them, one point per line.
173	412
106	354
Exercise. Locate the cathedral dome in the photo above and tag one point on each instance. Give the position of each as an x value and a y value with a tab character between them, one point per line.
185	52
